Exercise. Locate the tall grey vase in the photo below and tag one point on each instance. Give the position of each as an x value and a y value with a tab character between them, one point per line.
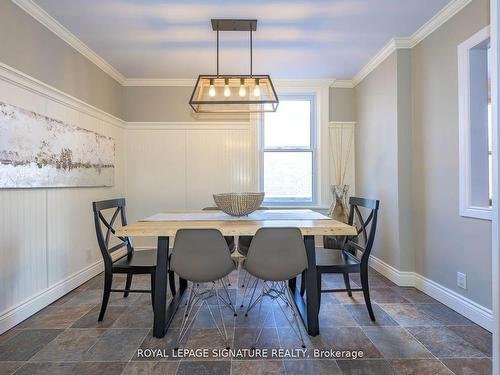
339	210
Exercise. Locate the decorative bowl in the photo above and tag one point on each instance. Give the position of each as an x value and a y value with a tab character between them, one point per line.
238	204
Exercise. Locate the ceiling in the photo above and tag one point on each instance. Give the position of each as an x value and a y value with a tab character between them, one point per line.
153	39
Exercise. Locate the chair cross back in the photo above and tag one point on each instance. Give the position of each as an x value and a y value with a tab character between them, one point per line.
365	227
99	219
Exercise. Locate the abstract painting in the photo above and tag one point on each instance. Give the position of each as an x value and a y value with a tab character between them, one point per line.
39	151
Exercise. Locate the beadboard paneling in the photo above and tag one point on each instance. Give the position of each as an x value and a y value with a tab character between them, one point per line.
47	237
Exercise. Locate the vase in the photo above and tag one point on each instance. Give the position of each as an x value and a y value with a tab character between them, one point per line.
339	210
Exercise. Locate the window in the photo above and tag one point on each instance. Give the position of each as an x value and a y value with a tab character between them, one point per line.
475	126
288	152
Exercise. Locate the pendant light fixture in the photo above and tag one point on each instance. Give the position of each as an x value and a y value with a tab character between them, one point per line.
222	93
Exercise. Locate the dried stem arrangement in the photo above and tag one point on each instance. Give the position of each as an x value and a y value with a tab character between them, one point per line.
340	152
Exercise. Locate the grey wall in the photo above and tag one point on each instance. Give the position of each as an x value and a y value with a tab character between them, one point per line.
407	156
159	103
28	46
445	241
376	145
342	104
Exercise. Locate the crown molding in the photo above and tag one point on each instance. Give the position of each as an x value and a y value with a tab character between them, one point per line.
50	23
425	30
393	45
447	12
343	84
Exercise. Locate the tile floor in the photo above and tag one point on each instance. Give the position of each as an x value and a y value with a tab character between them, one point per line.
414	334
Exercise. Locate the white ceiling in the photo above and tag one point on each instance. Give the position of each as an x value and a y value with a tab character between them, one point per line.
294	38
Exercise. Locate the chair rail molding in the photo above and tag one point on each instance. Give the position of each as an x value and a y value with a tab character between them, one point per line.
17	78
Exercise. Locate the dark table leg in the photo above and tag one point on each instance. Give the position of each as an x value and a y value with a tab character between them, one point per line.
159	326
308	309
164	315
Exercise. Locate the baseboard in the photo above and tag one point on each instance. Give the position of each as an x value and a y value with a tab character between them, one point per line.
463	305
398	277
32	305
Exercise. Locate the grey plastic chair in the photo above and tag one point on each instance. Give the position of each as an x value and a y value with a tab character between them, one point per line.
275	256
202	256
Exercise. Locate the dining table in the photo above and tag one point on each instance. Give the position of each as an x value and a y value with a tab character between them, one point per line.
164	226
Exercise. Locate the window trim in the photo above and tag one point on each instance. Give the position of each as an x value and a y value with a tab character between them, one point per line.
313	148
467	209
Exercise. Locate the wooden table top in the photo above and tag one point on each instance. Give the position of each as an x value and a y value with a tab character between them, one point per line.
235	227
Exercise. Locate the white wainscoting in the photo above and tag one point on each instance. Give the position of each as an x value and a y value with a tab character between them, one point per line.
47	237
180	165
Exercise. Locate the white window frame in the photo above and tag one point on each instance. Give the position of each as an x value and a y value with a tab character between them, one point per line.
467	209
314	129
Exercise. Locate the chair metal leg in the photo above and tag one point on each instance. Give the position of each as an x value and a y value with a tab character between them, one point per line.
171	282
228	303
347	284
259	332
295	312
366	291
221	319
250	303
108	280
128	284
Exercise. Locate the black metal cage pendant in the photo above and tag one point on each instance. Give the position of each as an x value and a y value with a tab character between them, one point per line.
232	93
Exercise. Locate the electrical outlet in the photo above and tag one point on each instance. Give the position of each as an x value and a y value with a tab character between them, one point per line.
462	280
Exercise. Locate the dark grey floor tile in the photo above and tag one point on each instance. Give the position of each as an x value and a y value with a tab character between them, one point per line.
89	320
204	368
335	316
396	342
316	367
444	343
419	367
70	346
151	368
116	345
414	295
164	346
98	368
477	336
8	368
360	314
4	337
257	367
208	314
85	297
56	317
346	338
408	315
33	368
209	338
244	338
266	318
365	367
469	366
134	317
377	295
26	344
443	314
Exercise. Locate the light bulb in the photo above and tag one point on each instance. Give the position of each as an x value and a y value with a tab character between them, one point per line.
256	89
211	91
227	90
243	91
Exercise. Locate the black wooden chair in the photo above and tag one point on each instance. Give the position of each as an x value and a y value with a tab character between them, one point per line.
348	260
131	263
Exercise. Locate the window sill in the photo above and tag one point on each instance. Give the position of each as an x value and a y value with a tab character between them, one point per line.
482	213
